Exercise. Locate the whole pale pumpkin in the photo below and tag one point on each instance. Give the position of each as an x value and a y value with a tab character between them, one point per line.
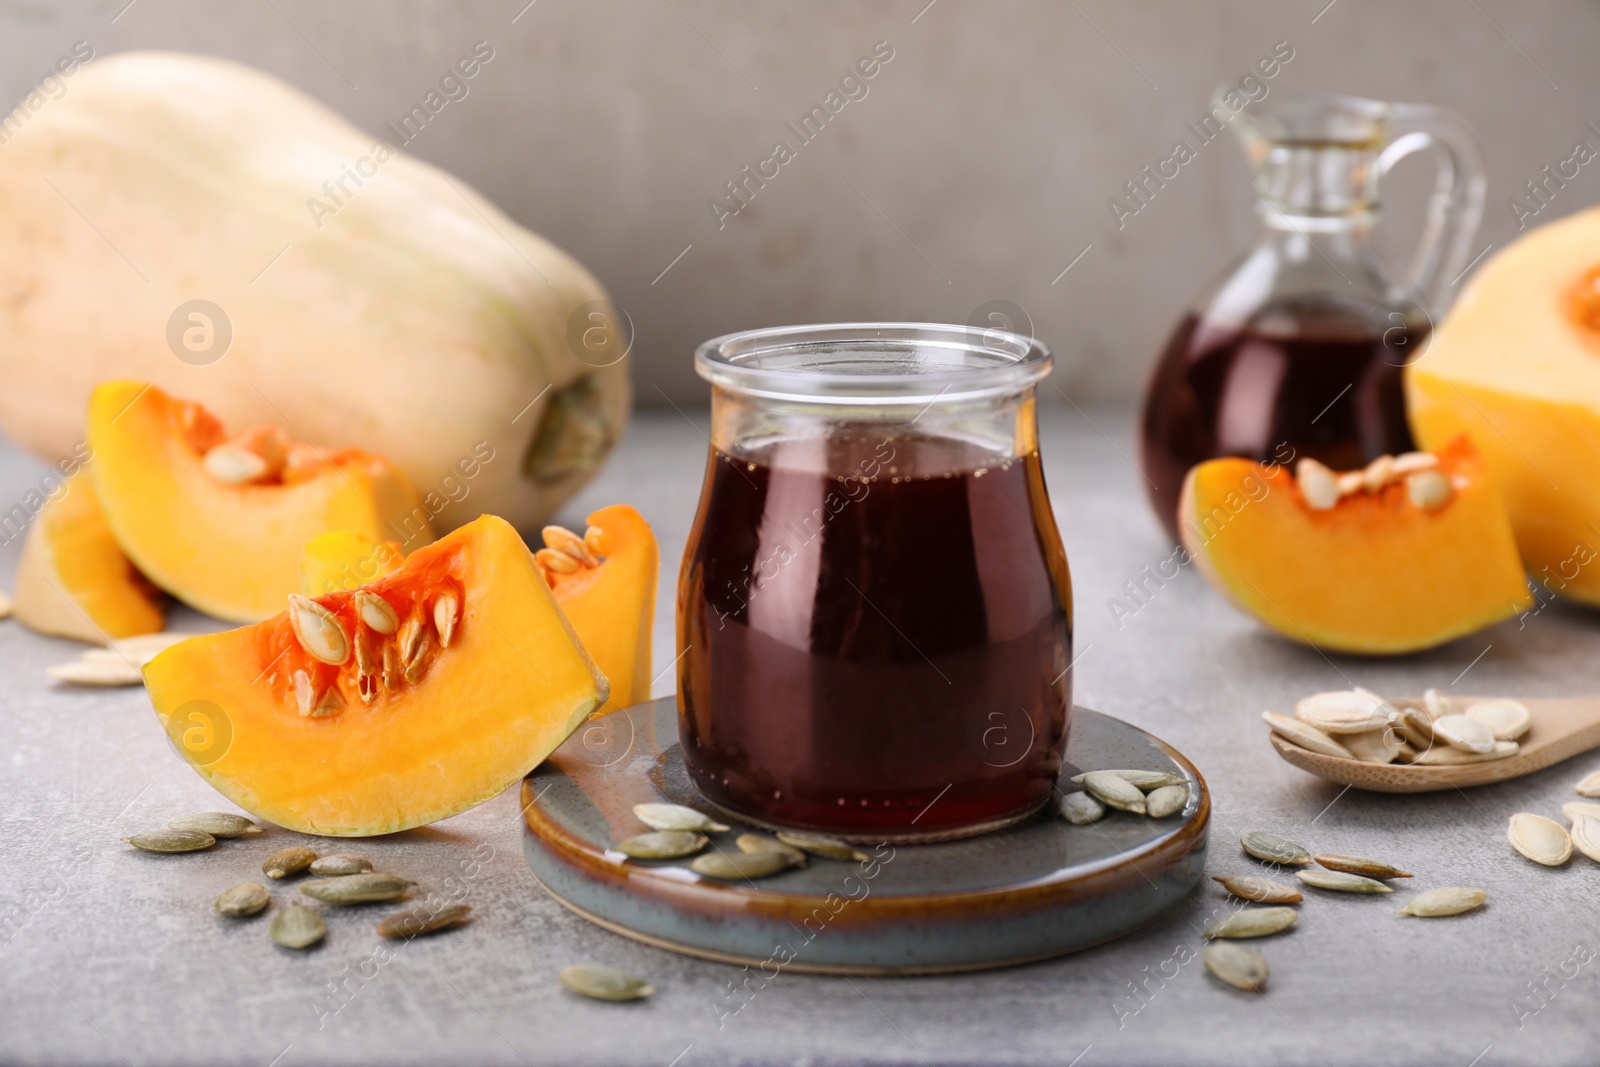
357	296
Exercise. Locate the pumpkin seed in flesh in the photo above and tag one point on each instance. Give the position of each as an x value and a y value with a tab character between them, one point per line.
1540	839
1450	900
1343	712
604	983
357	888
663	845
1081	809
1270	848
219	824
1359	865
1253	922
756	843
732	866
1114	791
1373	746
1168	800
1341	881
340	863
1239	966
108	674
171	841
243	900
676	817
298	926
1145	781
1259	890
287	861
1450	756
1465	733
318	630
1305	735
1590	786
1507	720
415	922
826	847
1586	835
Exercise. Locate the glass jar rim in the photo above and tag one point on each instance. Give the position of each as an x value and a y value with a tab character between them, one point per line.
873	363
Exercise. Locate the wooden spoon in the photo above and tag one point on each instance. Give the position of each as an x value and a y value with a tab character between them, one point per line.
1560	730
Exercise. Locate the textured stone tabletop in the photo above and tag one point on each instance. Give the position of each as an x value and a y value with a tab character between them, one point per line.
109	956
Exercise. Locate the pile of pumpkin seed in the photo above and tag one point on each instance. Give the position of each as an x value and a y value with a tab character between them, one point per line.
1245	968
1153	793
1432	732
1547	842
340	879
676	831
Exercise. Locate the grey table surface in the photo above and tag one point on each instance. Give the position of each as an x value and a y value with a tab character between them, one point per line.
110	956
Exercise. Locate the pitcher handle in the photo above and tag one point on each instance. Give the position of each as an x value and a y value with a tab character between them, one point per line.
1456	206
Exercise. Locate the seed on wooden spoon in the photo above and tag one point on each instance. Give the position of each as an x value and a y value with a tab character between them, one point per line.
1260	890
1464	732
1114	791
287	861
243	900
1342	881
1540	839
758	843
171	841
1270	848
1590	786
1359	865
218	824
1450	900
1437	704
414	922
298	926
1373	746
1586	835
676	817
1450	756
1168	800
604	983
1080	809
1145	781
663	844
826	847
1507	720
1305	735
1239	966
1351	711
1253	922
1414	724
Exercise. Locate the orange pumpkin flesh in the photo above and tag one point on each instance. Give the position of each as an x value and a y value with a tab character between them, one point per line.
291	739
612	606
345	559
1374	574
231	550
74	581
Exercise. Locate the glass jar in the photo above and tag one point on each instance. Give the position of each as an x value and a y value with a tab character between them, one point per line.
874	601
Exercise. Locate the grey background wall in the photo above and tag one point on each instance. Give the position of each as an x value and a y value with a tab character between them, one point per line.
976	167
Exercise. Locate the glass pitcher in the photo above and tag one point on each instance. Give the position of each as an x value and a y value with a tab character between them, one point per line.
1299	350
874	601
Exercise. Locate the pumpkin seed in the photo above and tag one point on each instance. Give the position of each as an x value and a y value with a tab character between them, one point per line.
1464	732
318	630
1590	786
1239	966
1114	791
1342	881
1261	890
595	539
1359	865
756	843
1540	839
826	847
315	703
1081	809
1437	704
1573	810
559	562
676	817
376	612
407	638
1145	781
446	613
1450	756
1407	754
604	983
232	463
1414	724
1428	490
1350	711
171	840
287	861
424	920
298	926
1586	835
1373	746
106	675
738	865
561	539
1168	800
357	888
1410	462
1378	473
1507	720
243	900
663	845
1253	922
340	863
1318	484
1451	900
1305	735
1270	848
218	824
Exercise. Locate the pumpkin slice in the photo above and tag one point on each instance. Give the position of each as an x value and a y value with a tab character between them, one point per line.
345	559
74	581
606	584
1375	572
391	706
220	522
